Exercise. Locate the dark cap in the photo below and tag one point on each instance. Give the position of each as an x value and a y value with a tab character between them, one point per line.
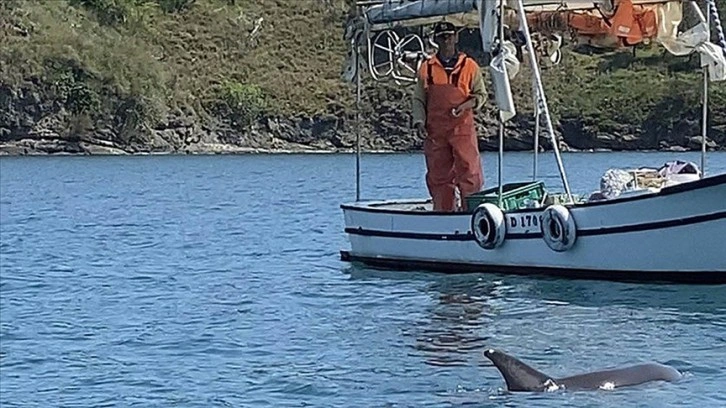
444	27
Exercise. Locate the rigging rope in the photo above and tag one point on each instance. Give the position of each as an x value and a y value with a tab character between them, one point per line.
717	23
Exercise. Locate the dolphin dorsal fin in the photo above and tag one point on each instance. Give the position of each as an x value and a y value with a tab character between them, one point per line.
518	376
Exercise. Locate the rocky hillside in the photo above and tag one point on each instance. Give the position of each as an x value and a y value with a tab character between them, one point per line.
139	76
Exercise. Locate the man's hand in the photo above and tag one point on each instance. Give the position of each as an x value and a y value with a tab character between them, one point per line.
469	104
420	130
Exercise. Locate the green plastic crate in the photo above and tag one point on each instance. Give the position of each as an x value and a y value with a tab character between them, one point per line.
514	195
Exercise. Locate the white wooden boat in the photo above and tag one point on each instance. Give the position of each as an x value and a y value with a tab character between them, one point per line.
671	230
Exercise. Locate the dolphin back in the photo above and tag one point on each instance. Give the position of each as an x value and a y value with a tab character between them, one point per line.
517	375
620	377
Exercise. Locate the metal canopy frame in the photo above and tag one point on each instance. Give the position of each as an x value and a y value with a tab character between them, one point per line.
378	15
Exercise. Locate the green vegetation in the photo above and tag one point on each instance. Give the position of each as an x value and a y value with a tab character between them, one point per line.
143	59
138	62
619	89
242	103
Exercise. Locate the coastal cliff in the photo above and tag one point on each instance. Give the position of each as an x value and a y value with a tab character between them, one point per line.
230	76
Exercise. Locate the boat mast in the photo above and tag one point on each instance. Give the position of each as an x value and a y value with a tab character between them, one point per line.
704	121
542	99
357	110
536	130
501	120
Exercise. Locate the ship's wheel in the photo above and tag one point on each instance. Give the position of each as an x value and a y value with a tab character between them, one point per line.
409	54
392	56
381	51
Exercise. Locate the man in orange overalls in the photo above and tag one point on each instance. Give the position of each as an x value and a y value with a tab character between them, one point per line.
448	90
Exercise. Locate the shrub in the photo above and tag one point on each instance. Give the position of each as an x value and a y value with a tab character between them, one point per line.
82	99
118	11
175	6
71	87
108	11
242	103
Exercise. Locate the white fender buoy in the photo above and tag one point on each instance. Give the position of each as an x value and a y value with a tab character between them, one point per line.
558	228
488	226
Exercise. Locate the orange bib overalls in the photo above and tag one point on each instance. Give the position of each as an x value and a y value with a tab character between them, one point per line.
451	147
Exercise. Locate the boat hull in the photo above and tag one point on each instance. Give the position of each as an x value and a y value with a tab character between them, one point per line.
677	234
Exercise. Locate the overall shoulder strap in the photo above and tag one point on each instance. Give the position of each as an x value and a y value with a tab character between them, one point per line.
429	73
464	60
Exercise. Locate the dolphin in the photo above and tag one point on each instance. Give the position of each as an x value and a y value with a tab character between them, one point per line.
521	377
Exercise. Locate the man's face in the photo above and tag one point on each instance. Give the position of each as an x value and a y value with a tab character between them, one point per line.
446	41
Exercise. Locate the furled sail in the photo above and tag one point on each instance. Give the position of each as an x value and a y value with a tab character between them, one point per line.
418	11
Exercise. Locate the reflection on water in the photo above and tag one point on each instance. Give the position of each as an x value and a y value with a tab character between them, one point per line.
451	327
684	299
456	320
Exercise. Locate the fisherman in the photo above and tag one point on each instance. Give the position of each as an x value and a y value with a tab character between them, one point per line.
449	88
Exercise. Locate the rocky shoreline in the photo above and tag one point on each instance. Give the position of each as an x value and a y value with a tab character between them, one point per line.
32	123
296	140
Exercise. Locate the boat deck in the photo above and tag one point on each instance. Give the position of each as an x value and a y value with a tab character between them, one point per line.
409	205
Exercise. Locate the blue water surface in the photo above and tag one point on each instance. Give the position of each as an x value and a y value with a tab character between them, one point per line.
214	281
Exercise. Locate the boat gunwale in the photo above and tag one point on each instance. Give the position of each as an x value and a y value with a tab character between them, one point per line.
376	206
